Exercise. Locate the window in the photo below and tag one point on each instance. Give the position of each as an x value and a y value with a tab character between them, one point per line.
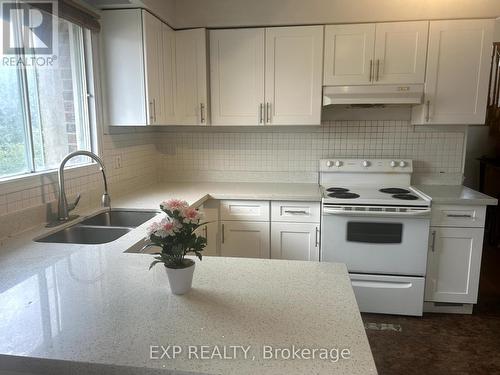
44	110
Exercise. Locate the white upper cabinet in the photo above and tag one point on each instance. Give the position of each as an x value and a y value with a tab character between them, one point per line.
400	52
168	89
349	54
237	76
128	94
266	76
294	65
456	83
152	56
191	73
382	53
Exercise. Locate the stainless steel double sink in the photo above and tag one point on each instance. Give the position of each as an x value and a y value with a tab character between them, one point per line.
101	228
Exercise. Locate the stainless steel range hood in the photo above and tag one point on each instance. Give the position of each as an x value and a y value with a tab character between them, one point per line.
373	94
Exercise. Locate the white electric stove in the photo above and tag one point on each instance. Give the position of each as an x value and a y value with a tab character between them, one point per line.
378	225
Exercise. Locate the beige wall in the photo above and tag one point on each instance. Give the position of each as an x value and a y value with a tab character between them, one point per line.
214	13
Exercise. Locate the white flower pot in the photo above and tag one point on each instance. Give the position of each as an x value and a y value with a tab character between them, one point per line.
180	279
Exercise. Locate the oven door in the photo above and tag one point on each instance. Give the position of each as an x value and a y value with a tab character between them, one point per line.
394	245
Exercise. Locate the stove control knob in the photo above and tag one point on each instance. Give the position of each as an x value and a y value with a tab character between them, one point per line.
365	163
393	164
338	163
329	163
402	164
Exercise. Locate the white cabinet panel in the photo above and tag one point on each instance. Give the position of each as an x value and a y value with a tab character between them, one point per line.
244	210
295	241
237	76
246	239
191	71
122	41
168	78
400	52
454	264
294	63
348	54
456	82
152	55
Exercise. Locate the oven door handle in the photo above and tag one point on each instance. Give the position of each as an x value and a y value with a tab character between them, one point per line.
423	213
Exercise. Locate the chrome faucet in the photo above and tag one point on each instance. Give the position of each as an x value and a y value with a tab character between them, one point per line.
63	208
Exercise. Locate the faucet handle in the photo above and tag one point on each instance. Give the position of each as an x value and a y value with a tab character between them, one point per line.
73	205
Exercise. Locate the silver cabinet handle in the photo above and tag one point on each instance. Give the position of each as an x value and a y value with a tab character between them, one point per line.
293	212
378	70
460	216
261	113
427	110
433	244
151	115
371	70
317	236
205	230
202	113
222	234
268	112
154	110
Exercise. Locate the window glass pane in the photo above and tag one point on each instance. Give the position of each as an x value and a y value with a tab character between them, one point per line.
57	97
14	158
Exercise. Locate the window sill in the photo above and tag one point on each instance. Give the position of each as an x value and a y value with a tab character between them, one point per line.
33	180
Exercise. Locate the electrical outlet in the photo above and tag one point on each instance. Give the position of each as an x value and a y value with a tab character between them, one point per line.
118	161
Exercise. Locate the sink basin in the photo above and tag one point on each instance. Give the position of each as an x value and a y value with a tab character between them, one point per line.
120	218
88	235
101	228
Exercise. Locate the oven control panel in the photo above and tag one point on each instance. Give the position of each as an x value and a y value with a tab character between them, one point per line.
366	165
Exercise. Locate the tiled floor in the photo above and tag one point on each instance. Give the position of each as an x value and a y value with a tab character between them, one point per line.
442	343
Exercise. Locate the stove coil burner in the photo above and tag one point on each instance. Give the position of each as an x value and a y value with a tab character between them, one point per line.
344	195
394	191
337	190
405	197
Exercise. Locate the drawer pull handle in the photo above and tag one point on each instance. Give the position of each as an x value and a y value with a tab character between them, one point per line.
433	245
293	212
460	216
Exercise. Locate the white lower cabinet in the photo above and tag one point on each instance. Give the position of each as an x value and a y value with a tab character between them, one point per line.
453	264
247	239
295	241
210	230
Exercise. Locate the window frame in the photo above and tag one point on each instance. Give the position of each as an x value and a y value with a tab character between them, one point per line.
33	177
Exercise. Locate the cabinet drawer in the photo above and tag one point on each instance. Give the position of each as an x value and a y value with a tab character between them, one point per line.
458	216
382	294
298	212
244	210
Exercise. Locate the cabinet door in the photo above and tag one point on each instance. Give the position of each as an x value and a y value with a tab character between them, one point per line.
295	241
209	231
237	76
400	52
152	55
454	264
294	65
349	54
168	86
245	239
191	67
456	84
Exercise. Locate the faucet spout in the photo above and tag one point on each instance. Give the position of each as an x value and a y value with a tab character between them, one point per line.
63	208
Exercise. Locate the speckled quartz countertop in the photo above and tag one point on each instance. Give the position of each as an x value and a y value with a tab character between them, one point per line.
456	194
93	309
